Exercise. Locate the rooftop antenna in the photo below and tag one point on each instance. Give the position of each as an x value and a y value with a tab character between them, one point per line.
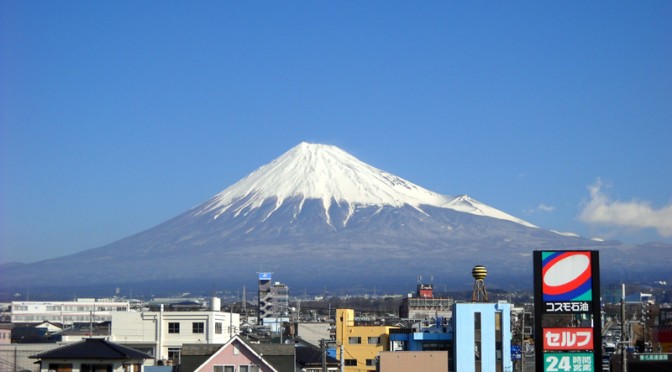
244	301
480	294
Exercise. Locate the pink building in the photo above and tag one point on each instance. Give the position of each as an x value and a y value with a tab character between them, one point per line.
237	355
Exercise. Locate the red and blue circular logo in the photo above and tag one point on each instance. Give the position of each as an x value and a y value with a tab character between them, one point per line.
566	276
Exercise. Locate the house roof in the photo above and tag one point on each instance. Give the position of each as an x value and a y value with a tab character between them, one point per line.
280	357
194	355
310	355
92	348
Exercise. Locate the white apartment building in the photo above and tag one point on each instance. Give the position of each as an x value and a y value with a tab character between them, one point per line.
67	312
162	333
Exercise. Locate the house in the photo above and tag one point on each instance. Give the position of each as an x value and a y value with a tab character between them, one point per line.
6	333
239	356
162	333
91	355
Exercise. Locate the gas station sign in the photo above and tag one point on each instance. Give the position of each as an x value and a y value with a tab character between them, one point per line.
568	339
568	362
567	282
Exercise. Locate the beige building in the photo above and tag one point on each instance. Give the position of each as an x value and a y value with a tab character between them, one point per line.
404	361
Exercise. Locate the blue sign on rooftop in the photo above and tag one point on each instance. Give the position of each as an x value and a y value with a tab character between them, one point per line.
264	276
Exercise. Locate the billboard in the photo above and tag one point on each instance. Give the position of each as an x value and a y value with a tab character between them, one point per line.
567	286
567	281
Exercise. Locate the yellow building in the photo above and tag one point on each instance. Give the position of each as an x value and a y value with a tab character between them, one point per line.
360	345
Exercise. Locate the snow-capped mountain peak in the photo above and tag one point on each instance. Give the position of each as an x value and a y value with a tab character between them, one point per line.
329	174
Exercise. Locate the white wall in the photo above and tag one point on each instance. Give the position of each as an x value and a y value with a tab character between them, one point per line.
143	328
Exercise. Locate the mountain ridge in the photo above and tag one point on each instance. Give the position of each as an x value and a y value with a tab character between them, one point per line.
269	223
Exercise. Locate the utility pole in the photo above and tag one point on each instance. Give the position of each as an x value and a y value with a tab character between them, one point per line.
323	348
624	357
342	358
522	342
244	302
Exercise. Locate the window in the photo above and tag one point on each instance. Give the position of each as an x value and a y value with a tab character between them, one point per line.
351	362
174	354
354	340
223	369
371	362
173	327
218	328
60	367
96	367
197	327
374	340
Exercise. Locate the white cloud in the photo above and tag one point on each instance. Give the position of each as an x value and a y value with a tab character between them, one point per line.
632	214
545	208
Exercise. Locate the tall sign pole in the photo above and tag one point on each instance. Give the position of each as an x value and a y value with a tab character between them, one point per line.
624	354
568	317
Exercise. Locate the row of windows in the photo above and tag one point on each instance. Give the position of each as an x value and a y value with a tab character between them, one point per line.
196	327
72	309
353	362
358	340
250	368
20	318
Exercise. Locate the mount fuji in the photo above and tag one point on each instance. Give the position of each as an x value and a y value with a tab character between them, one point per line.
318	217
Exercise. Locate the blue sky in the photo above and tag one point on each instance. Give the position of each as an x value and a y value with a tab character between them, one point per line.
116	116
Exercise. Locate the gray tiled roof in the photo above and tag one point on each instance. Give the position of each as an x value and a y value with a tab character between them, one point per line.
93	348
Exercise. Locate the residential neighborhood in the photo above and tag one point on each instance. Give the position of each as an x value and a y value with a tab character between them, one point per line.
273	332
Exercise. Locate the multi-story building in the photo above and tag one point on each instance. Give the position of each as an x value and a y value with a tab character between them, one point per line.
662	333
424	305
477	338
67	312
162	333
358	346
273	298
482	337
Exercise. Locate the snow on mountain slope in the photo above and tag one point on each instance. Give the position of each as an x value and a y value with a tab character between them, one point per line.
328	174
466	204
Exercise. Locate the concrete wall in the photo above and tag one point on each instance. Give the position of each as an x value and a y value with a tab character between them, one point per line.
404	361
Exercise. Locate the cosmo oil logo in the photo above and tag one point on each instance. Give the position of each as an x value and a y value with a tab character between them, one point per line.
566	276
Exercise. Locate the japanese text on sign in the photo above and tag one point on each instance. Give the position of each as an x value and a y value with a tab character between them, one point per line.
568	339
567	307
568	362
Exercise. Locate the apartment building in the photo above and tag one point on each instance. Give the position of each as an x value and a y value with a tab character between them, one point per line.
67	312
